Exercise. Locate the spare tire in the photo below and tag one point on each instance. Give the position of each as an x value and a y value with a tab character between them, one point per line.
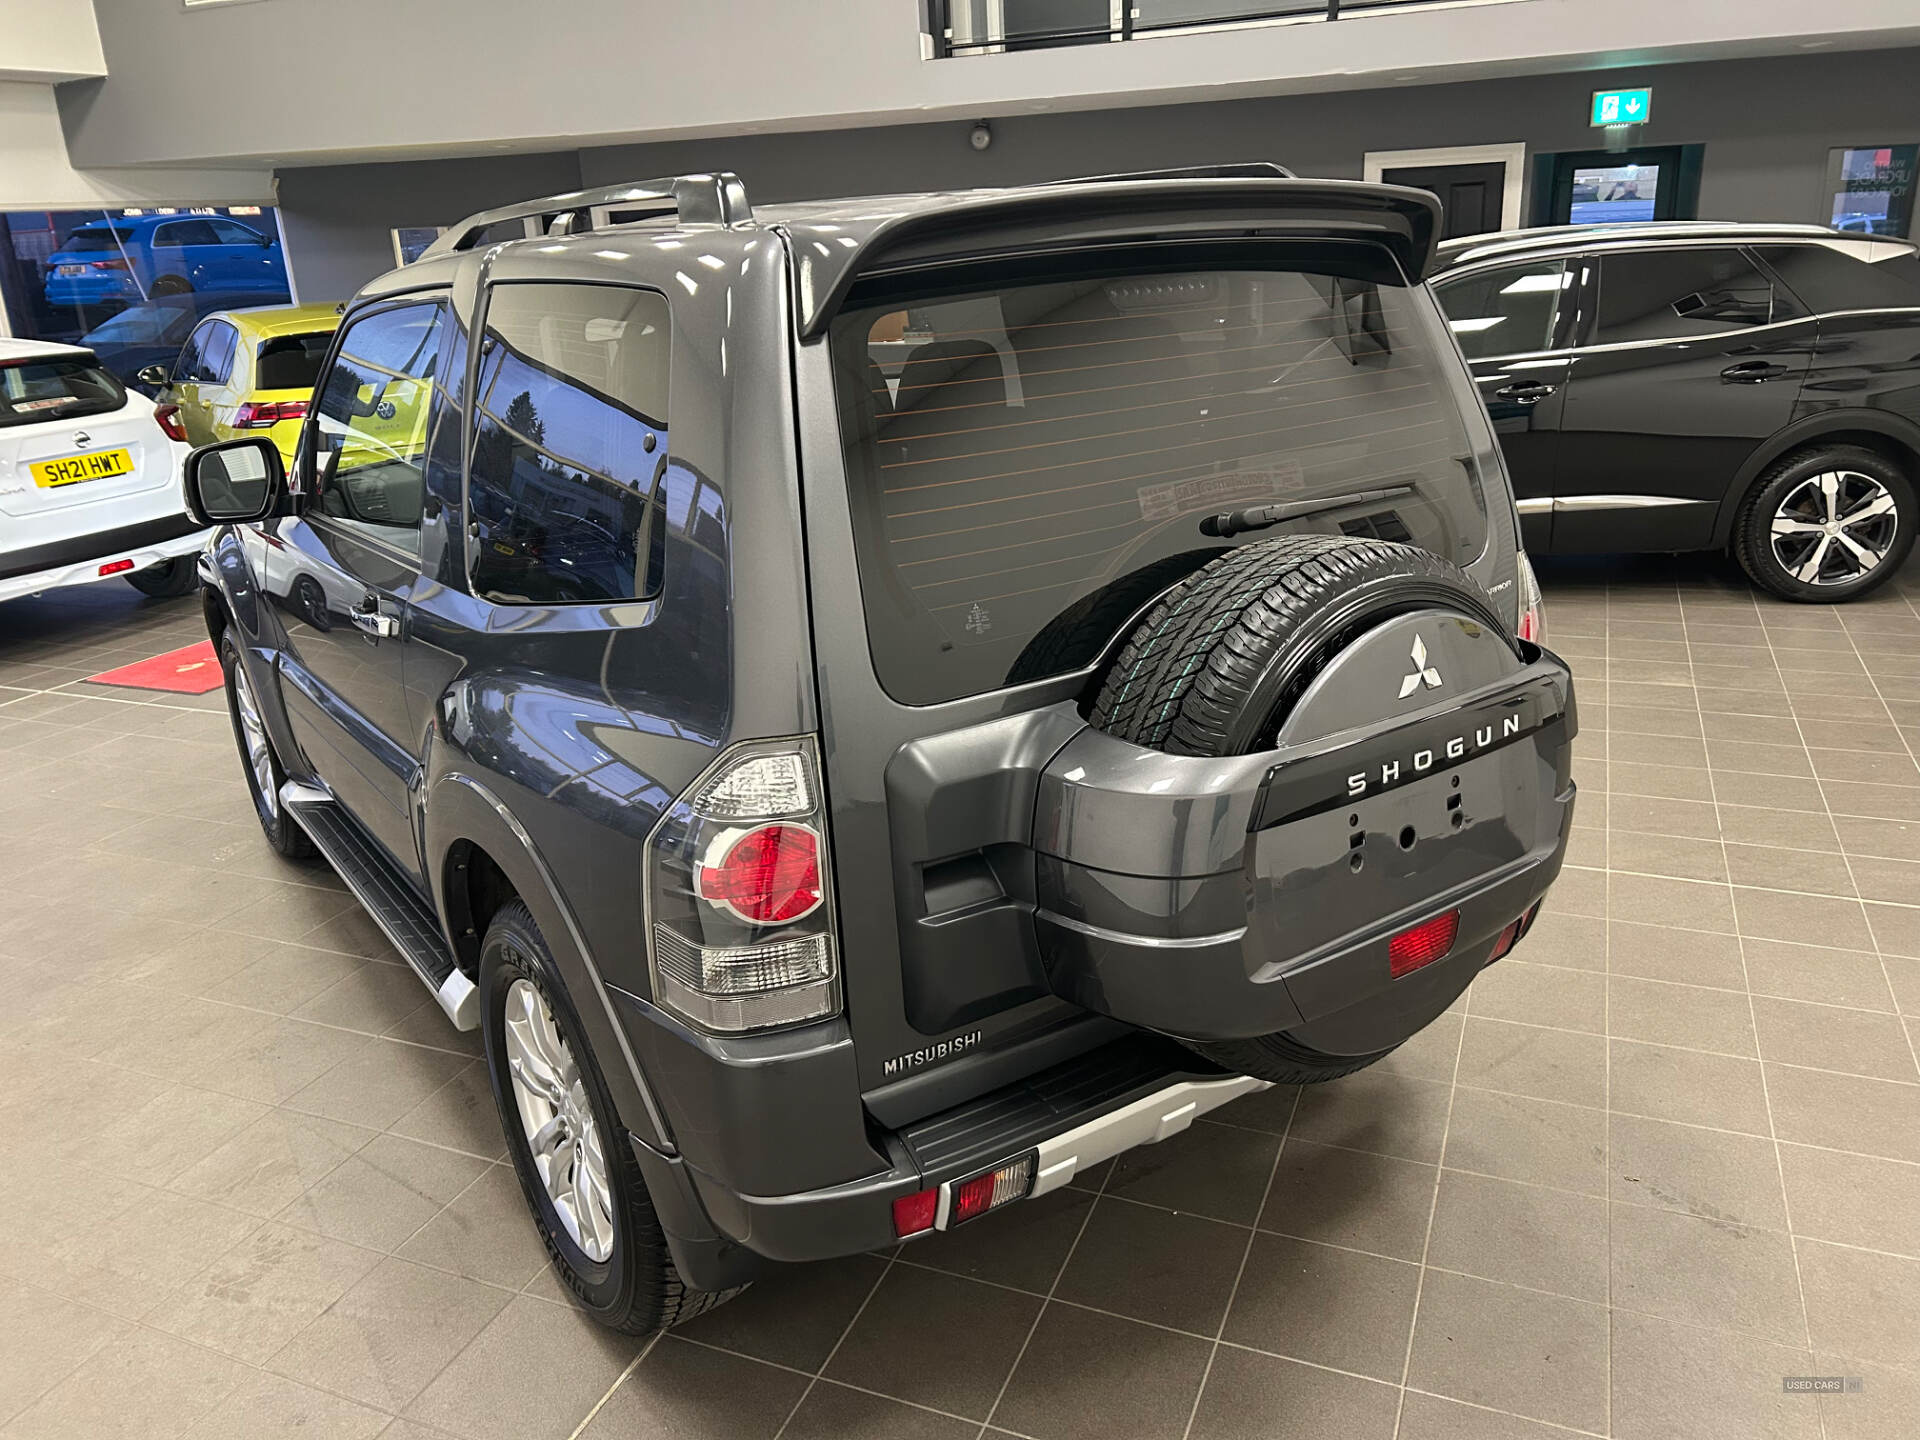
1217	665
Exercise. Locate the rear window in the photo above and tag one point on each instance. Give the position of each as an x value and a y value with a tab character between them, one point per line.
291	362
1030	463
102	239
57	388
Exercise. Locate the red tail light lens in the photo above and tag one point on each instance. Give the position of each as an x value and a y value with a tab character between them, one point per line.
258	416
167	417
110	265
914	1214
1504	945
116	567
1425	943
768	876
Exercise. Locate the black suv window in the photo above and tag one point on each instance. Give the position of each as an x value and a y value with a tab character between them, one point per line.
370	427
1029	463
1507	311
570	443
1675	294
1828	281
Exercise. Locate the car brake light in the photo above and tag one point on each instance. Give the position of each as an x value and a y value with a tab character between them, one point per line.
1533	613
168	419
109	265
741	932
259	415
116	567
767	876
914	1214
1425	943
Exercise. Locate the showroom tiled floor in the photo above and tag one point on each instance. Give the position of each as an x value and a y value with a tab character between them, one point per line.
250	1183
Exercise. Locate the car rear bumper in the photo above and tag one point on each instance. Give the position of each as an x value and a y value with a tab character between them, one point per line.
52	566
1135	1091
90	289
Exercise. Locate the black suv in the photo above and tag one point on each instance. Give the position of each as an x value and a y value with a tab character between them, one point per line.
1754	388
875	707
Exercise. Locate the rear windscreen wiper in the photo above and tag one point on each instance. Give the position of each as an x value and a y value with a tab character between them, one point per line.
1258	517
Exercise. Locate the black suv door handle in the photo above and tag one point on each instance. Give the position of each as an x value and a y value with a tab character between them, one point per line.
1753	372
1525	392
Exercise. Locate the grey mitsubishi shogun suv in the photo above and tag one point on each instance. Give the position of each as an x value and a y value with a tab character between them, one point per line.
875	707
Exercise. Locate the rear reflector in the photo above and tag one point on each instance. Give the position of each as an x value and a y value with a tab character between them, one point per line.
116	567
990	1191
1505	943
914	1214
1423	944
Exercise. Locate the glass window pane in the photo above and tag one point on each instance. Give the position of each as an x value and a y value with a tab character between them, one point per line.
1612	194
1505	312
371	424
570	443
1671	294
56	389
1873	189
1030	463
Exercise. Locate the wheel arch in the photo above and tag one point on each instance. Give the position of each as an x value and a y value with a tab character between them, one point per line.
481	857
1894	437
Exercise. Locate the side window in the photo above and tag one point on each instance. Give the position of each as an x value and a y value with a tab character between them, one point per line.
570	444
1828	280
1506	311
169	237
370	426
188	360
230	232
216	361
1677	294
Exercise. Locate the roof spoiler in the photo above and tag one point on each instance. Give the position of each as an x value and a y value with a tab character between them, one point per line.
718	199
1403	220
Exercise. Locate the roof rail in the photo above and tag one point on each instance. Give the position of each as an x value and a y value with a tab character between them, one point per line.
1235	170
719	199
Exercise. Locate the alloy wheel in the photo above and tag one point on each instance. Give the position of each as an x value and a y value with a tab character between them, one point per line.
1834	528
254	730
562	1134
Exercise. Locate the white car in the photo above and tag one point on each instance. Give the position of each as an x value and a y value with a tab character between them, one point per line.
89	478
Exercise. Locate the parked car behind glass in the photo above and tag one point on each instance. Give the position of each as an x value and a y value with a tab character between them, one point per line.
152	334
246	371
134	258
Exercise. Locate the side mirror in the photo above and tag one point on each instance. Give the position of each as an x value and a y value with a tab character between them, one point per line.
155	375
235	481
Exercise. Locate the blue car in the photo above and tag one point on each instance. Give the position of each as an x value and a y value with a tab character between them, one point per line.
133	258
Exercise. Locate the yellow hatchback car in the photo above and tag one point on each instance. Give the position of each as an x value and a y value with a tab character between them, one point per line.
245	371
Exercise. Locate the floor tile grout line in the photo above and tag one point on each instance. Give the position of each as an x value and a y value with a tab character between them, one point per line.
1695	984
1913	1047
1048	1299
1606	1021
852	1320
618	1381
1433	1209
1233	1292
1766	1091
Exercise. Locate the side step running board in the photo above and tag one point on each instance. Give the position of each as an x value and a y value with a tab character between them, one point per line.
388	898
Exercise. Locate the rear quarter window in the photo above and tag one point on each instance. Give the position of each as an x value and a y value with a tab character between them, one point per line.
1029	463
1828	281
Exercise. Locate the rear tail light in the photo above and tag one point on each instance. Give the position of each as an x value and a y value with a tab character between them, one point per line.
116	567
110	265
741	932
1533	613
168	419
1515	932
259	415
1425	943
914	1214
964	1200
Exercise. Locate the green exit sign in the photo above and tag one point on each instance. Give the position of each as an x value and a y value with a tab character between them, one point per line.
1622	107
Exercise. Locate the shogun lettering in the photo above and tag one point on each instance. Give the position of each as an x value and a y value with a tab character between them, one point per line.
1392	772
945	1050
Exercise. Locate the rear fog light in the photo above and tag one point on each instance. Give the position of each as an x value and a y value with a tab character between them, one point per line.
914	1214
1425	943
116	567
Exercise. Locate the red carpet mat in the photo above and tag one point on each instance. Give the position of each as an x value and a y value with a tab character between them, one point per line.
192	671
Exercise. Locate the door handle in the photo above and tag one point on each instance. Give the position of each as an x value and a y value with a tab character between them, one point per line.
368	617
1753	372
1525	392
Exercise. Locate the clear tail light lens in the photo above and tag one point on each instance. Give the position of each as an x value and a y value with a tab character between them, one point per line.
1533	613
741	932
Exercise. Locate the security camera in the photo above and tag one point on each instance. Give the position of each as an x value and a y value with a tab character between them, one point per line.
981	136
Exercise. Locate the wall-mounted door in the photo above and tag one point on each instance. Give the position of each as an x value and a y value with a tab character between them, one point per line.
1479	185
